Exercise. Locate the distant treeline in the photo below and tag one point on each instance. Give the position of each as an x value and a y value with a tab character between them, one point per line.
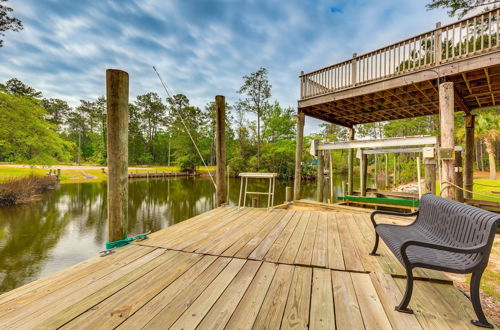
34	129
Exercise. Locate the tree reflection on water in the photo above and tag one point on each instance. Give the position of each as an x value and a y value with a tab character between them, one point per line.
69	225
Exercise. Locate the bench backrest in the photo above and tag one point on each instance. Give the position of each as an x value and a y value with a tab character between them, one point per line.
456	224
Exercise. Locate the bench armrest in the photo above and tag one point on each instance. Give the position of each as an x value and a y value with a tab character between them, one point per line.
399	214
468	250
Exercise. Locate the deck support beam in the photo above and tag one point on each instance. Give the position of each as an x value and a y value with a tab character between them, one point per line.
430	175
446	116
350	164
363	167
298	155
459	177
469	155
220	150
321	177
117	89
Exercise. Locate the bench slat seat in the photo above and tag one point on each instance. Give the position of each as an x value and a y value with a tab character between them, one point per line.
447	236
419	256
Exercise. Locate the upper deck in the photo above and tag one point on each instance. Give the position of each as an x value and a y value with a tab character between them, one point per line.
400	80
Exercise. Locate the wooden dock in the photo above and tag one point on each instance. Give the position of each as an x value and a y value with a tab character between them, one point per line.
151	175
247	268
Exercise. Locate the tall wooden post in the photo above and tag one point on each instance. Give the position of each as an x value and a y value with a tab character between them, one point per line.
459	177
437	43
363	167
430	175
469	155
298	155
376	171
386	172
321	176
330	172
220	149
446	114
350	165
117	135
288	194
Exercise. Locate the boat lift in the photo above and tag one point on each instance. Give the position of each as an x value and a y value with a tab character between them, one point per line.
425	145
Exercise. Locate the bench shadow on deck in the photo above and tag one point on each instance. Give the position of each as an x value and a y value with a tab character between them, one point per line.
230	268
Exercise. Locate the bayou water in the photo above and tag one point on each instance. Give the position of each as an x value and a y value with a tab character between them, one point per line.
69	225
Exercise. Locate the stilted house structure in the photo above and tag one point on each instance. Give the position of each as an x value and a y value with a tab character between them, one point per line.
453	68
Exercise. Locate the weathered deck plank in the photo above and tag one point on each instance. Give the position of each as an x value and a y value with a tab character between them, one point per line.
222	277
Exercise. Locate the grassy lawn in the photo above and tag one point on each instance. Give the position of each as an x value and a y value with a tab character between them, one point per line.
84	175
484	187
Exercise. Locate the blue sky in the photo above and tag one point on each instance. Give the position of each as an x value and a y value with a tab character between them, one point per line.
201	48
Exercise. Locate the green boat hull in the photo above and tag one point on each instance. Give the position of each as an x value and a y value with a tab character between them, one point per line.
382	200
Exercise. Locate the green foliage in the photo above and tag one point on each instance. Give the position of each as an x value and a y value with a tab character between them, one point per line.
8	22
187	163
460	7
15	86
25	136
257	89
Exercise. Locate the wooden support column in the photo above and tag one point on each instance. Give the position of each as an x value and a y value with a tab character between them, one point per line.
330	173
320	176
288	194
220	149
117	89
430	175
350	165
386	172
363	167
459	178
298	155
446	115
469	155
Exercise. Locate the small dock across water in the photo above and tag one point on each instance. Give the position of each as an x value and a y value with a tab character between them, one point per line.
247	268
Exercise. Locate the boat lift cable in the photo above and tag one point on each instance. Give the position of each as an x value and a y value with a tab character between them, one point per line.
185	126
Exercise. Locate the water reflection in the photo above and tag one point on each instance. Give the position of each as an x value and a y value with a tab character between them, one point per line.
69	225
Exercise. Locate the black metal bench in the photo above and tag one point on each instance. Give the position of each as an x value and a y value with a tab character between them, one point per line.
447	236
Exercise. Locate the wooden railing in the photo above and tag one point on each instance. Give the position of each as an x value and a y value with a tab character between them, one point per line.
453	42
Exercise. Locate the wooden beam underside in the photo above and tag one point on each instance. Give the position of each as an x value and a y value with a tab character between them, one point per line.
478	86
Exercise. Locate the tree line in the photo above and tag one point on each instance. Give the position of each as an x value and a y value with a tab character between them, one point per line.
34	129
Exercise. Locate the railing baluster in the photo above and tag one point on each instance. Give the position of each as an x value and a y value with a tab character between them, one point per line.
482	32
489	30
474	36
498	22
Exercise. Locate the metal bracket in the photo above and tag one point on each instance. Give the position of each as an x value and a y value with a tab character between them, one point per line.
446	153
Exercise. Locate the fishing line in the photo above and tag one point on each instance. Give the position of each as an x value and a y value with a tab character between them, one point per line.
185	126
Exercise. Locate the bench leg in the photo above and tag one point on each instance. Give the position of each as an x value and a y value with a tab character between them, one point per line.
375	246
403	306
476	300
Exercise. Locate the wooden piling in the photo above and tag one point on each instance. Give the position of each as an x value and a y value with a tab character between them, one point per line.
363	173
446	115
288	194
298	155
255	202
350	164
459	178
330	174
117	89
386	172
430	175
220	149
320	176
469	155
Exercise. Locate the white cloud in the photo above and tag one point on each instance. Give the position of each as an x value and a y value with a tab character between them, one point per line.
201	48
